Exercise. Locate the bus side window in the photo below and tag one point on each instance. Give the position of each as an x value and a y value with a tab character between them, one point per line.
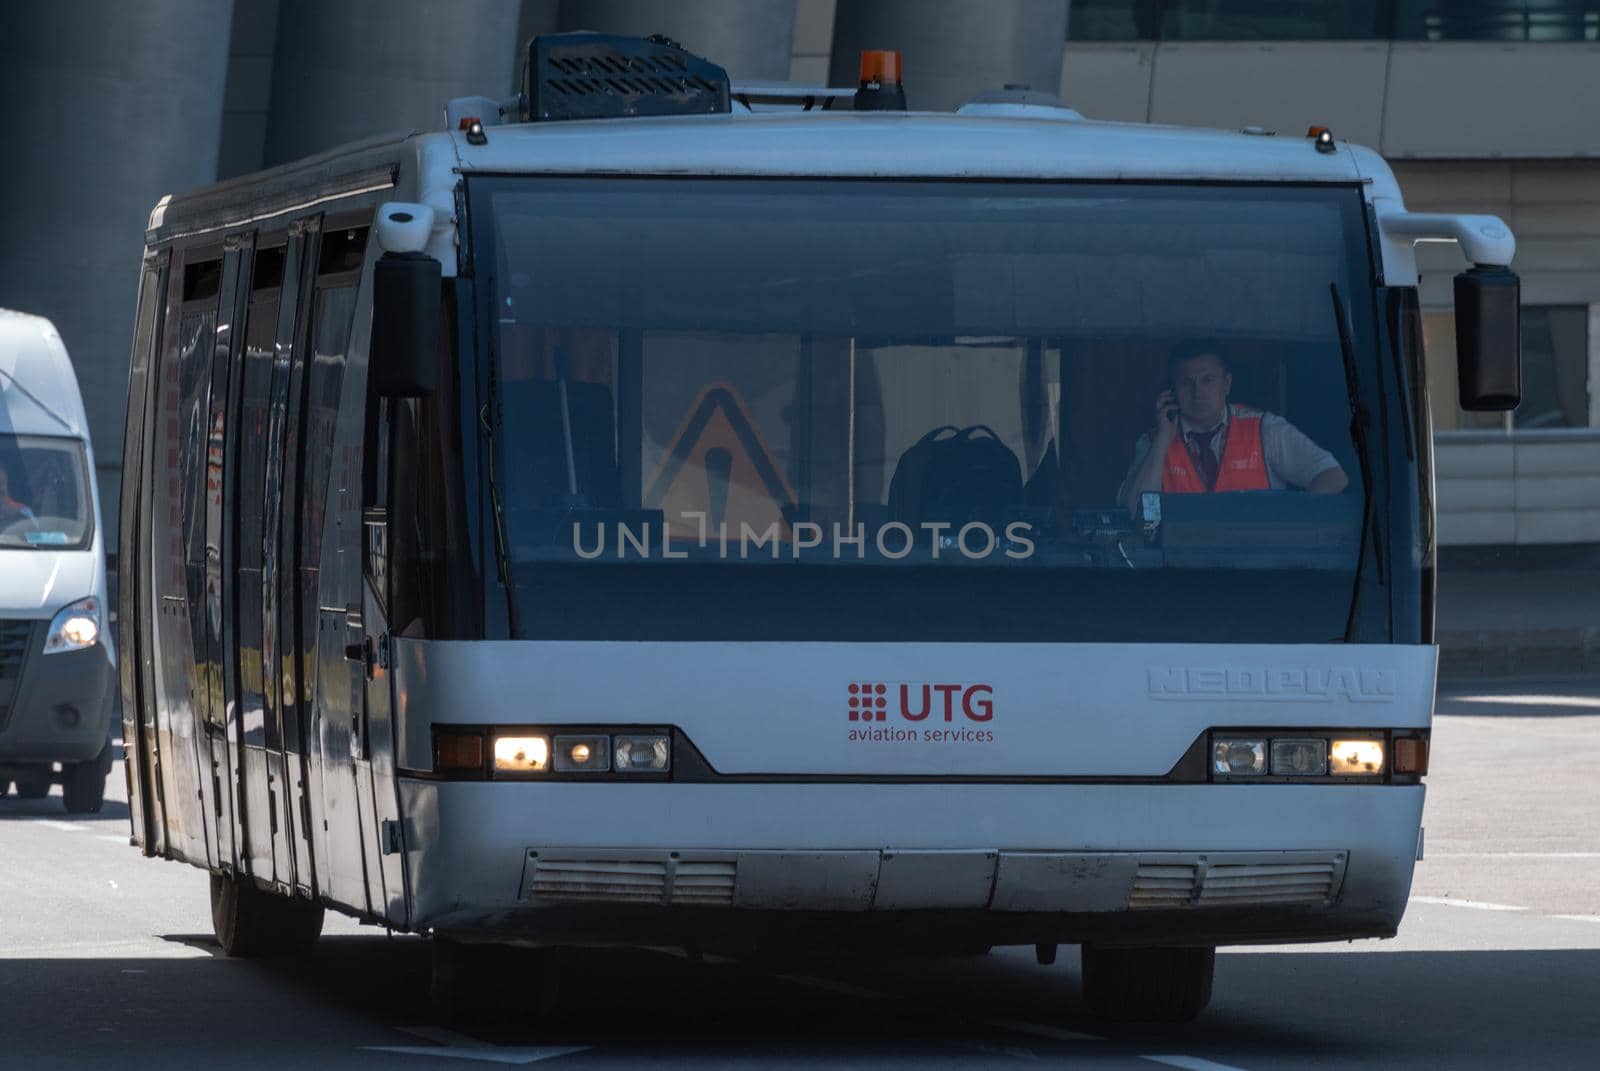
260	330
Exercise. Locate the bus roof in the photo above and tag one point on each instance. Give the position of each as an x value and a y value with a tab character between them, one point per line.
911	145
914	145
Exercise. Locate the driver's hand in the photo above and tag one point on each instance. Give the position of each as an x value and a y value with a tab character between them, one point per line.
1166	417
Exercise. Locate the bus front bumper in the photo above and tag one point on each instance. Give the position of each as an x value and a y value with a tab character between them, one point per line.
960	863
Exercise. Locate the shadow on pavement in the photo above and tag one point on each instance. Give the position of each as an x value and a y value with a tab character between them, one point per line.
13	807
1451	1009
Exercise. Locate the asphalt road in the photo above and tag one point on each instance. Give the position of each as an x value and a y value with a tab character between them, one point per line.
106	960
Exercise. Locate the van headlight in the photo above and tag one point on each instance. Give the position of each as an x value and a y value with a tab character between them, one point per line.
75	627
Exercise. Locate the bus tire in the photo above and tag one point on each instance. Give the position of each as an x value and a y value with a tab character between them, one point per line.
250	923
1147	985
83	784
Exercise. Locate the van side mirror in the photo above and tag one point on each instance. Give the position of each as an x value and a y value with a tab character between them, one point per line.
407	299
1489	338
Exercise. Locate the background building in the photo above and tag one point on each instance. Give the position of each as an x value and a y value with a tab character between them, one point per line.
1481	106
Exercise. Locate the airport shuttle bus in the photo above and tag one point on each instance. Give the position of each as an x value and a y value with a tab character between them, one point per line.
663	511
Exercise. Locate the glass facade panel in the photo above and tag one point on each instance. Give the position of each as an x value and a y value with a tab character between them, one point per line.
1555	371
1324	20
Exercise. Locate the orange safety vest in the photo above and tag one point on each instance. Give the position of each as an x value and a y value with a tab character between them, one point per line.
1243	468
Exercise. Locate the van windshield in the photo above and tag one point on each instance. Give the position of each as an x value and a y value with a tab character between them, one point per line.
890	410
44	498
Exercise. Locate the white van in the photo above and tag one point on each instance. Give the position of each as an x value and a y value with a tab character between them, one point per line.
57	665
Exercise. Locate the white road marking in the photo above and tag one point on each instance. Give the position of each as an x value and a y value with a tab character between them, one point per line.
71	827
1039	1030
1578	918
1582	701
114	840
153	948
1514	855
1190	1063
1479	905
449	1044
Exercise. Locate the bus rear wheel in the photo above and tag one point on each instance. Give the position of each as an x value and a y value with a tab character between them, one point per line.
250	923
1147	985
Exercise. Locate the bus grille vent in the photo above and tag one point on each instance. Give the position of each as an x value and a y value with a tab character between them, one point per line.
640	880
1270	883
707	883
1163	885
611	880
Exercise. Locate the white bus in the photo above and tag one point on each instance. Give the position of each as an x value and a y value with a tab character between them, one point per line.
665	512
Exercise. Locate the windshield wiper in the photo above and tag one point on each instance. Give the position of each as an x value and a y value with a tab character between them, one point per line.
1360	420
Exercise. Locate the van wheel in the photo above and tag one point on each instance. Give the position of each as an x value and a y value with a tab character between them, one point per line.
1147	985
36	787
251	923
83	784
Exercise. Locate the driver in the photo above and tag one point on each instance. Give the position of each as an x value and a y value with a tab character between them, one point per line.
10	508
1203	443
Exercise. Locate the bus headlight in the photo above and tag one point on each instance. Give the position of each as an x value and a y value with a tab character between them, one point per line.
1356	758
1300	758
75	627
1238	757
583	754
643	754
521	754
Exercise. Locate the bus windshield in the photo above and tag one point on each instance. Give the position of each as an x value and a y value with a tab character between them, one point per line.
879	411
44	500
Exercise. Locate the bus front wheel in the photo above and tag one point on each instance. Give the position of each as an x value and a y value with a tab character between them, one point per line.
251	923
1147	985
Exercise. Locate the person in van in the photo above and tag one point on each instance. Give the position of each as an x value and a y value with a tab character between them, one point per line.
1203	443
10	508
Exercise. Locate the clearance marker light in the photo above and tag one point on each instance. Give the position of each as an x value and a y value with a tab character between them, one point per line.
1323	138
1356	758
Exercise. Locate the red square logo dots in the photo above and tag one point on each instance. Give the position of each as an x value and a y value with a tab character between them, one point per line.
869	701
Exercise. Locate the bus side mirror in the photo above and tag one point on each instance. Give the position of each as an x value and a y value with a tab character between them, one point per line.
1489	338
407	296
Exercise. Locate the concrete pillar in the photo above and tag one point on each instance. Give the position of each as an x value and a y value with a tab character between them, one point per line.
751	38
953	49
348	69
110	106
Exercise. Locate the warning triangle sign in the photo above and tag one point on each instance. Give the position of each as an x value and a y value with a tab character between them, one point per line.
719	468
